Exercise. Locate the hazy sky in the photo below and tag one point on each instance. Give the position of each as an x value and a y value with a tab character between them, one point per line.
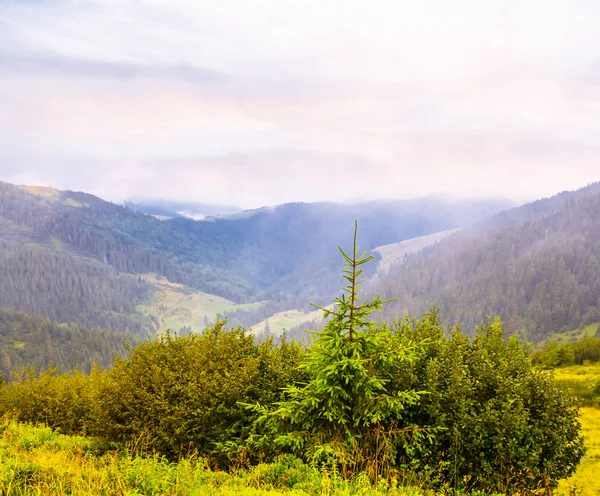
265	101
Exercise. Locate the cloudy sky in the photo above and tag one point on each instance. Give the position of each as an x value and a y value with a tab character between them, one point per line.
265	101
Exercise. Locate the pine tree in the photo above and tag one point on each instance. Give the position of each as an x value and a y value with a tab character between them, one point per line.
350	410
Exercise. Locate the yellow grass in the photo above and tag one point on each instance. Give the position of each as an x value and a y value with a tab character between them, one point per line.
37	461
587	374
42	191
587	477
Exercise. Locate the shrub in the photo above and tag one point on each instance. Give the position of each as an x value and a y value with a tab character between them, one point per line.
503	425
181	393
61	401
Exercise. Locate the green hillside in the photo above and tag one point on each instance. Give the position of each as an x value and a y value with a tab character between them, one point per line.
537	267
174	306
29	341
73	257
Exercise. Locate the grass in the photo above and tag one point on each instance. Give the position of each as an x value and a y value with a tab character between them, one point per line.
176	305
282	321
70	202
586	481
570	336
582	381
36	460
394	253
43	191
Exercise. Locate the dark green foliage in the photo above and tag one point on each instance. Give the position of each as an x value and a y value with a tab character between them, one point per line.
503	424
181	393
38	281
561	355
351	409
30	341
538	269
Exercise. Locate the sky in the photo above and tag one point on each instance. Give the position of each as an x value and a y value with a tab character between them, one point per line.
269	101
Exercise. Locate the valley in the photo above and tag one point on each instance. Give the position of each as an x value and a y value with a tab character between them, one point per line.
82	277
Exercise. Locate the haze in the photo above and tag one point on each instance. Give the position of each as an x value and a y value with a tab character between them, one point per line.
272	101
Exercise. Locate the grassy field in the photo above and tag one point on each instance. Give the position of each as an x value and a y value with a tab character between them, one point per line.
176	306
38	461
571	336
283	321
581	381
394	253
586	481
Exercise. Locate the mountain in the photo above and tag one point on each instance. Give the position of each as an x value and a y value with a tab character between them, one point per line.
76	258
536	266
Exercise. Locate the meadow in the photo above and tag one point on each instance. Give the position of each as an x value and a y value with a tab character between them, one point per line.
582	381
38	460
586	482
571	336
176	306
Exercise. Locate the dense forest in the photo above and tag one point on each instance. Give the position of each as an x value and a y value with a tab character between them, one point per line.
537	267
39	280
29	341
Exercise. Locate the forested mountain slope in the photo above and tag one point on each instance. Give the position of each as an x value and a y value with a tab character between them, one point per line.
29	341
75	258
538	268
131	242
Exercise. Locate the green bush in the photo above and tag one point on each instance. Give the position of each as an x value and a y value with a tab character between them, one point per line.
562	355
178	394
503	425
61	401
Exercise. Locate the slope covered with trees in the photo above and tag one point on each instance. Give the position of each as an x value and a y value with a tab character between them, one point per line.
73	257
537	267
40	280
29	341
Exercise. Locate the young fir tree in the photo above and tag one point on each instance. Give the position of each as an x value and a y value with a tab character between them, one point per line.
350	409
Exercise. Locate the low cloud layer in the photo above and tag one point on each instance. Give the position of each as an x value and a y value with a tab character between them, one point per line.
265	102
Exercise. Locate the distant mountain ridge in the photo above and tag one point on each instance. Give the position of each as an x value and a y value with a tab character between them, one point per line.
93	255
72	258
536	266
